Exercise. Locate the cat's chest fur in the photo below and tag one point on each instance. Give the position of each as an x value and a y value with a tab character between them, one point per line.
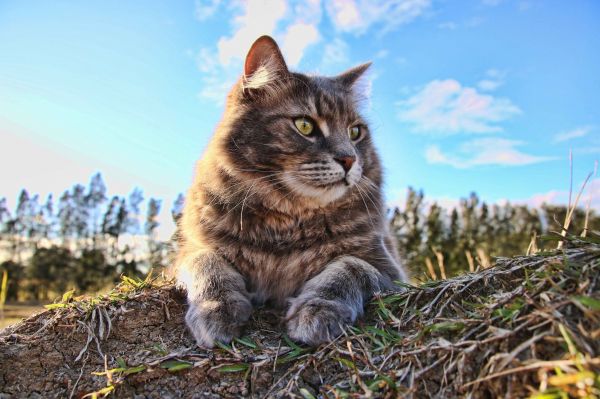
276	252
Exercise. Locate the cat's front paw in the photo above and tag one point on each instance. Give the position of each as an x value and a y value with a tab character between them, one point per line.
317	320
217	320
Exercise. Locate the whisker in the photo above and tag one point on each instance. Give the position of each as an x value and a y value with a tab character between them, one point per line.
366	207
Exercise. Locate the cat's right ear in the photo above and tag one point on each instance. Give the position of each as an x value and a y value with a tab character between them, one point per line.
264	64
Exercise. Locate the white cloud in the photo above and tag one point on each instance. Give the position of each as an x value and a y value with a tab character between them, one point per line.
572	134
258	18
296	39
206	8
484	151
294	25
445	106
357	16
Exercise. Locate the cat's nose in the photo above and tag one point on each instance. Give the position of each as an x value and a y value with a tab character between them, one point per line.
346	162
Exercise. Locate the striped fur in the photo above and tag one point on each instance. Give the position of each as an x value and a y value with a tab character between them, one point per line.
272	218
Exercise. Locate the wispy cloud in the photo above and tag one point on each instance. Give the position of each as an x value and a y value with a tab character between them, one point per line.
449	25
356	16
494	78
336	52
205	9
445	106
572	134
591	193
484	151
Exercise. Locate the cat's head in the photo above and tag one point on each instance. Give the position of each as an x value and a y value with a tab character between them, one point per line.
305	132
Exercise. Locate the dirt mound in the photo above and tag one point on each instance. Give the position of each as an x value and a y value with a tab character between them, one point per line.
526	325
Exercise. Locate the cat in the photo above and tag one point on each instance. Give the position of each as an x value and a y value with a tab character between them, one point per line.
286	207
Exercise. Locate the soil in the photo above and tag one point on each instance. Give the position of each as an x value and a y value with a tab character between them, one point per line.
484	334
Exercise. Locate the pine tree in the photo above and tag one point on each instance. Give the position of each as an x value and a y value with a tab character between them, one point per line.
21	223
110	216
47	218
133	211
152	216
121	225
5	225
409	229
452	254
4	213
177	208
115	222
435	227
95	199
154	247
21	214
81	213
35	227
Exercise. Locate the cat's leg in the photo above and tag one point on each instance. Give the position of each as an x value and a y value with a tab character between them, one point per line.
332	299
219	304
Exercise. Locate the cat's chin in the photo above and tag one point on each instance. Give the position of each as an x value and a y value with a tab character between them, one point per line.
318	196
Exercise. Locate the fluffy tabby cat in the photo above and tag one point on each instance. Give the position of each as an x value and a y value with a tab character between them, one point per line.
286	207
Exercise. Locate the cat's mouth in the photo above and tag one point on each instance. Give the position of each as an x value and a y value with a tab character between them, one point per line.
322	192
342	182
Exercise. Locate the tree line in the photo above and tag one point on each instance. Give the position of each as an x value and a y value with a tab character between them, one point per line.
86	240
440	242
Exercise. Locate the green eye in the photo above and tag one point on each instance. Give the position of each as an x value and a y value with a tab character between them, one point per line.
354	132
304	126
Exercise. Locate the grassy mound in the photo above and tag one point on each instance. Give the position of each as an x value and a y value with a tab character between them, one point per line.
528	326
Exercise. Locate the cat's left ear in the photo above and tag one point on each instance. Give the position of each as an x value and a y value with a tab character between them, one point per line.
353	75
264	64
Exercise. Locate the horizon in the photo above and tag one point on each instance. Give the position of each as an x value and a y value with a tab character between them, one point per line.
486	96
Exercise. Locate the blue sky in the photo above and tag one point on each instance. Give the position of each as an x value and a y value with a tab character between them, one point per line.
481	95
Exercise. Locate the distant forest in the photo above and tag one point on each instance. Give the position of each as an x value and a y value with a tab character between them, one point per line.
85	240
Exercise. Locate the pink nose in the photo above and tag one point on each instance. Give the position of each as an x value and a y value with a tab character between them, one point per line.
346	162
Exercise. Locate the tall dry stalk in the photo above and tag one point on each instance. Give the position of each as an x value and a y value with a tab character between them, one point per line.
3	292
470	261
483	258
571	210
440	260
430	268
589	202
532	248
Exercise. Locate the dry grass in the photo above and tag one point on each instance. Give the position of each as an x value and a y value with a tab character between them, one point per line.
525	327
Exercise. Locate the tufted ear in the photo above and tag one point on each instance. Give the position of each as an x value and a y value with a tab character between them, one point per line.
352	75
264	63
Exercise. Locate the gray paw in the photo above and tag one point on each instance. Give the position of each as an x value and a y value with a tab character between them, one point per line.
217	320
318	320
